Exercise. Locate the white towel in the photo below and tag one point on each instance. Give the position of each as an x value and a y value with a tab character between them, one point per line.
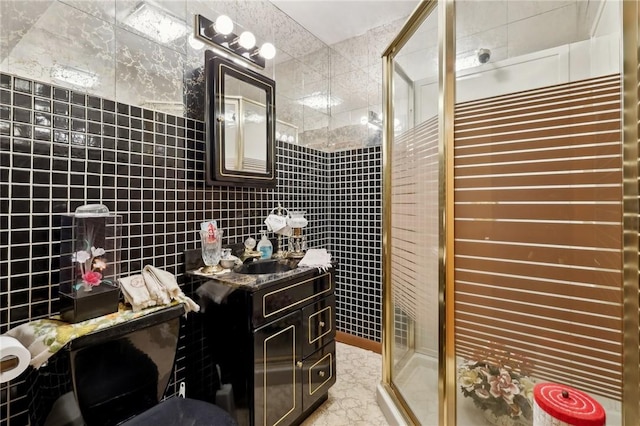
316	258
155	277
135	292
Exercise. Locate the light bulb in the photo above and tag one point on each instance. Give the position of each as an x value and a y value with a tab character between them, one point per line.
196	44
223	25
267	51
247	40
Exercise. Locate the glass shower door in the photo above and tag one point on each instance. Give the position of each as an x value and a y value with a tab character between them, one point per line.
414	159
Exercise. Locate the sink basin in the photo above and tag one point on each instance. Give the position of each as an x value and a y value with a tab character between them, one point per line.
265	267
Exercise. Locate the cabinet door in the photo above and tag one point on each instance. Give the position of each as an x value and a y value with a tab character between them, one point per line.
318	374
277	392
318	323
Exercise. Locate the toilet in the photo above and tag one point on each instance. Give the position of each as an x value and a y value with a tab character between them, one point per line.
119	376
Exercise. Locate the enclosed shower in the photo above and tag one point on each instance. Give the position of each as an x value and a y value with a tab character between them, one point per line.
510	215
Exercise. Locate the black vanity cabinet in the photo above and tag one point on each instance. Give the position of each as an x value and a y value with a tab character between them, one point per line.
275	343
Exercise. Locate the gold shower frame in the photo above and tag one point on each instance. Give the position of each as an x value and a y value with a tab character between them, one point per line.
630	122
446	341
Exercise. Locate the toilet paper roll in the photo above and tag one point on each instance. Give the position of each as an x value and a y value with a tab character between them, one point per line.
14	358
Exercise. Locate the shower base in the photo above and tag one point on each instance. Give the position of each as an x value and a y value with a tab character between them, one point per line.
418	384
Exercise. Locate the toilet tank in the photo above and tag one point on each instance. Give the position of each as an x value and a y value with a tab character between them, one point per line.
123	370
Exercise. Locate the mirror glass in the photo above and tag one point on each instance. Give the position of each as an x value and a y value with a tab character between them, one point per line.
240	124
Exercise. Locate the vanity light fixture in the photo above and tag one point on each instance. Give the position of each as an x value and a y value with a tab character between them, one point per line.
223	25
220	34
247	40
268	51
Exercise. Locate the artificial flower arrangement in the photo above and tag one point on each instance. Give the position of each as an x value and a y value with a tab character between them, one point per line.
91	263
499	384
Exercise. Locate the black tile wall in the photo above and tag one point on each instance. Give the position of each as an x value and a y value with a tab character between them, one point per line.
355	201
60	149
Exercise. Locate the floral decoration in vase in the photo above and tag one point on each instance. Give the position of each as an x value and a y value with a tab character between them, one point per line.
498	383
91	263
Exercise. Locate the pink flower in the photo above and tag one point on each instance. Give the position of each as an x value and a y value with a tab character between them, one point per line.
92	278
502	386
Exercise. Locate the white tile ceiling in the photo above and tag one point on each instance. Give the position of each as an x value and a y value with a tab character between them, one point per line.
333	21
507	27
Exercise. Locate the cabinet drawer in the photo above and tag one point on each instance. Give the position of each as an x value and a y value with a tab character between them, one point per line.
271	303
318	374
318	325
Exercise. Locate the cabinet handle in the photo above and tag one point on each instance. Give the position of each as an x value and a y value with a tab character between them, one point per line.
321	373
321	324
299	364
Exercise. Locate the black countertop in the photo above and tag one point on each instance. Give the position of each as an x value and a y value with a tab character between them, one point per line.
250	282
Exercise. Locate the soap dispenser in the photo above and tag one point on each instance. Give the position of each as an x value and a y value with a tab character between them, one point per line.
264	246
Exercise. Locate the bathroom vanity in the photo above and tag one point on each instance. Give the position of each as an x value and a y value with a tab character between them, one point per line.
273	340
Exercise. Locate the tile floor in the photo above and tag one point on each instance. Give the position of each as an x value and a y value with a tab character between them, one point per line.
352	400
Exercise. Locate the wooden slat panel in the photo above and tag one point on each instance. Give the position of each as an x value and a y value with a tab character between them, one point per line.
577	165
553	294
586	178
540	194
541	132
523	155
573	321
540	109
600	138
607	351
567	234
538	187
589	121
540	271
542	96
548	211
578	257
548	348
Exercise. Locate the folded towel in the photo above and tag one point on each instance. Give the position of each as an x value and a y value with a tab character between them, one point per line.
158	279
135	292
155	279
316	258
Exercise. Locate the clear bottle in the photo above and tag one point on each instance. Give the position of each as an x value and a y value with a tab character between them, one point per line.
264	246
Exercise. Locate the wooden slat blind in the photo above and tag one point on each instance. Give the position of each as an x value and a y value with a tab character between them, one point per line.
538	199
